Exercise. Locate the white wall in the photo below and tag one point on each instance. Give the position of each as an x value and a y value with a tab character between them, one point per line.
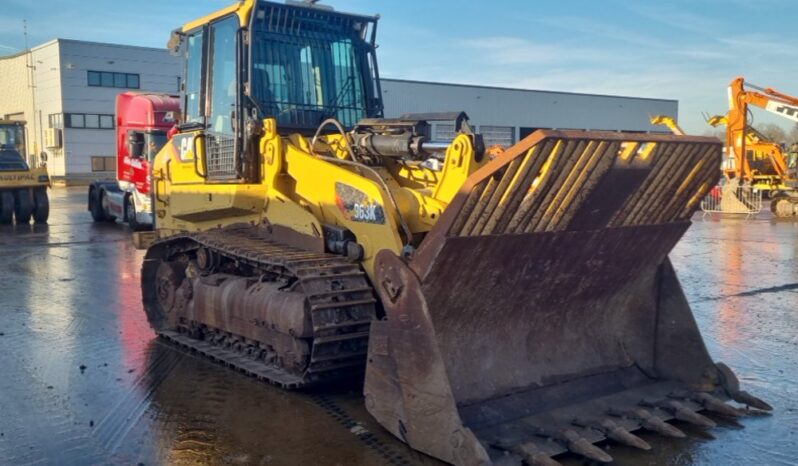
158	72
47	94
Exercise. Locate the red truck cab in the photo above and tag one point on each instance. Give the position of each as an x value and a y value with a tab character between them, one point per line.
142	123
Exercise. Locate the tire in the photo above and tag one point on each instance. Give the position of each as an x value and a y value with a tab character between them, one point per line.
95	208
104	207
783	207
6	207
41	206
130	215
23	208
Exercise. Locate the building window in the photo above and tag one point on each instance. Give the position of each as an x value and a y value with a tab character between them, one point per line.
103	164
55	120
106	121
76	120
501	135
94	78
88	120
92	121
133	81
109	79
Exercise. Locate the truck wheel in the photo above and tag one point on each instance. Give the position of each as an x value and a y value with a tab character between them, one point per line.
130	215
104	207
95	208
6	207
41	205
23	209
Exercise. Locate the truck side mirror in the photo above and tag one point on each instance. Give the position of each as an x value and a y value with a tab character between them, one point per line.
135	142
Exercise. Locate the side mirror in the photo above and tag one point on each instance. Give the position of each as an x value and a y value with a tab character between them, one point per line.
135	143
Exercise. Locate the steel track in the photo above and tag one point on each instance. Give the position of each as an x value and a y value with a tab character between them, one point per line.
340	299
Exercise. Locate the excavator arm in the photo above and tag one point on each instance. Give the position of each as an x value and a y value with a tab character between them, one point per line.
738	133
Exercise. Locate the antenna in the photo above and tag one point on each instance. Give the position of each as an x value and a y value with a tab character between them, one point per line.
25	32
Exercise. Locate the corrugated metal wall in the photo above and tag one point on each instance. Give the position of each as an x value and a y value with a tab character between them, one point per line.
497	108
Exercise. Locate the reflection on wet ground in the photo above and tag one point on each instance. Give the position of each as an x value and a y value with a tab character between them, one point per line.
84	381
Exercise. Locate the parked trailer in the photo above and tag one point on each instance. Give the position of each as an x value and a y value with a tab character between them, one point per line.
142	123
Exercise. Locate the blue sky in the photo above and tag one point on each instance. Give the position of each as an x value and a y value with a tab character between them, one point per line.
677	49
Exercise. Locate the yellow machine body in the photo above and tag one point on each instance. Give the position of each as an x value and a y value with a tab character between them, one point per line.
506	306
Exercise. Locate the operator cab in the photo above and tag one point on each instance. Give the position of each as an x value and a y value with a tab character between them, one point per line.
298	63
12	146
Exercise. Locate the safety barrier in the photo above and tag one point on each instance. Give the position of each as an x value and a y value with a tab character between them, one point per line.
731	198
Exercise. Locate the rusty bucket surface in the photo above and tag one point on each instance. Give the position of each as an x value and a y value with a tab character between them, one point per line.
541	314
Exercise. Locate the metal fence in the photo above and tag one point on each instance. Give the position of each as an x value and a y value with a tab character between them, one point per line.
731	198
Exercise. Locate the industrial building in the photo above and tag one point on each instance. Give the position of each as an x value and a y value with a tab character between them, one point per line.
505	115
66	89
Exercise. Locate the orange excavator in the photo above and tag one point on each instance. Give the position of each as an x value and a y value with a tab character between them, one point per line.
754	159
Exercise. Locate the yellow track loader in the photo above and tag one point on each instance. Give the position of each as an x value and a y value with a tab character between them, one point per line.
504	306
23	190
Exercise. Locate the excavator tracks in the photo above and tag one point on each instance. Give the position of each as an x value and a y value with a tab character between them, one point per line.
284	315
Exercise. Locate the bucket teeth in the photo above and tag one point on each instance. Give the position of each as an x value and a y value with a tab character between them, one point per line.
746	398
581	446
615	432
529	453
683	413
534	457
715	405
653	423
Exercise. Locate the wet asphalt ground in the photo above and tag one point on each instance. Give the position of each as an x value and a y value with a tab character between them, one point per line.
83	380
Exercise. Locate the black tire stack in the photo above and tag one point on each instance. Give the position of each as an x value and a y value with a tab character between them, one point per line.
23	204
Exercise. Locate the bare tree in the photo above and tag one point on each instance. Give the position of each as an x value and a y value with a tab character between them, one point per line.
715	132
792	137
773	132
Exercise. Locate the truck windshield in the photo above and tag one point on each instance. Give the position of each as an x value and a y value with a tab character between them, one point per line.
310	64
153	142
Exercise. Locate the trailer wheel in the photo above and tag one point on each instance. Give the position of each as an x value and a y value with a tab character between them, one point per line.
41	205
6	207
130	215
23	209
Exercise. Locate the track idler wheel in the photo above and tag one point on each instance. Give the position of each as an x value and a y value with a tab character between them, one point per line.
170	291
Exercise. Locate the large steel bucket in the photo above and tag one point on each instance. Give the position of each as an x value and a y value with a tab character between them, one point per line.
541	314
